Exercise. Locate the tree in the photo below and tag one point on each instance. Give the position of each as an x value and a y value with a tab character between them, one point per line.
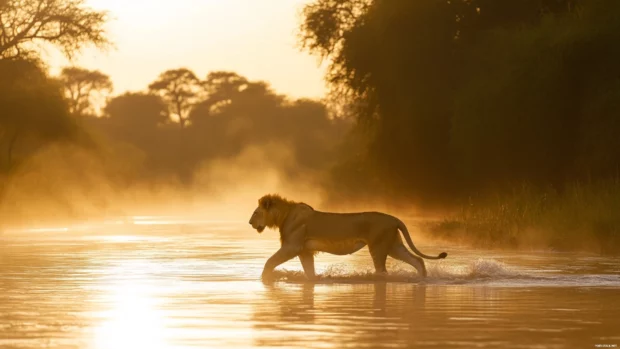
32	109
80	87
221	85
180	88
401	63
67	24
231	93
135	120
541	103
137	111
396	61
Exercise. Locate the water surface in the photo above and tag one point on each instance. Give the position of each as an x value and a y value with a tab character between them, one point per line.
155	282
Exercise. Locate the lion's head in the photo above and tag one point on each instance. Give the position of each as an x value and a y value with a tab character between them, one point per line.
259	219
270	213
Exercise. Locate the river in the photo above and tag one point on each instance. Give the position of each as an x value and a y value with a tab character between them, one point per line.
161	282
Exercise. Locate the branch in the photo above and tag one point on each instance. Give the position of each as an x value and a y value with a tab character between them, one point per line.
3	35
16	40
62	23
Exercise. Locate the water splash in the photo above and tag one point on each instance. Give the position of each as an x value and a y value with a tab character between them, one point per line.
480	268
481	271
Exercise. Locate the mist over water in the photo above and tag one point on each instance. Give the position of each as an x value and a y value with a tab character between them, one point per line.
167	282
69	185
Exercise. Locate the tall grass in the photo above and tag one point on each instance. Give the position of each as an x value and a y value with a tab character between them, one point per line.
583	216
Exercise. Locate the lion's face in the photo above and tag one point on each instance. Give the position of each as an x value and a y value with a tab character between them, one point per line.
259	219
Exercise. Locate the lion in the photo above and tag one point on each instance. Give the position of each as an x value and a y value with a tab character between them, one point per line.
305	231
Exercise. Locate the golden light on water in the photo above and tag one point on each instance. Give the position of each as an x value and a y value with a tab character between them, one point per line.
136	286
134	319
137	301
47	230
122	238
133	323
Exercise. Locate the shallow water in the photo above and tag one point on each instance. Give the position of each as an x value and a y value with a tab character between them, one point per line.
162	283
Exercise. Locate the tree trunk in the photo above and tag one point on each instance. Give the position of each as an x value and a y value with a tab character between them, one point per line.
11	148
180	114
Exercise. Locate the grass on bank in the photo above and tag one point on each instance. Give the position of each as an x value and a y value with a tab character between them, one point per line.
583	217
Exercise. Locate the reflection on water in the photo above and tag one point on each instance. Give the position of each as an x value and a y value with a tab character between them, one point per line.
195	285
133	320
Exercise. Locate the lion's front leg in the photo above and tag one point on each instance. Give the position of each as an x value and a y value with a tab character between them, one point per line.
284	254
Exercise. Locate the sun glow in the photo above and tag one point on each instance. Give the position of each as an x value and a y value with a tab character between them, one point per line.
134	321
142	308
254	38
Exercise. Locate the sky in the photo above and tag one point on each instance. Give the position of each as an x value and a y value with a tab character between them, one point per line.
255	38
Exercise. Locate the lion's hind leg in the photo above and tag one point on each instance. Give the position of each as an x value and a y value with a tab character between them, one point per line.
379	259
379	249
400	252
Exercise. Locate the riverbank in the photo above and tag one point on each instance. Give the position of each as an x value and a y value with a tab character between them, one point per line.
582	217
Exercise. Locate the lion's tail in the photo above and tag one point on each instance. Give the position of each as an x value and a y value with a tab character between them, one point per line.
405	232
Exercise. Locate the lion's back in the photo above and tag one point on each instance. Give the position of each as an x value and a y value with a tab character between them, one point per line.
299	214
335	226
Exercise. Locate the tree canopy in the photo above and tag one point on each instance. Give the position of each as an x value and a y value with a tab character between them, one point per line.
228	115
66	24
32	110
180	88
461	96
80	87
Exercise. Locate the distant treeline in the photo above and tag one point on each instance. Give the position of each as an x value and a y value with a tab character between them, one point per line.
167	131
458	98
177	126
163	134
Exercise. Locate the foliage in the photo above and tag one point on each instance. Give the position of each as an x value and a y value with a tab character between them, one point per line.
80	87
230	115
582	217
468	96
459	100
33	111
180	88
67	24
535	97
137	111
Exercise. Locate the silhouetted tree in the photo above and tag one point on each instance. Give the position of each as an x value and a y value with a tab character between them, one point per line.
32	109
80	87
394	59
400	64
235	114
137	111
477	15
220	88
180	88
138	121
224	85
545	110
239	113
67	24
